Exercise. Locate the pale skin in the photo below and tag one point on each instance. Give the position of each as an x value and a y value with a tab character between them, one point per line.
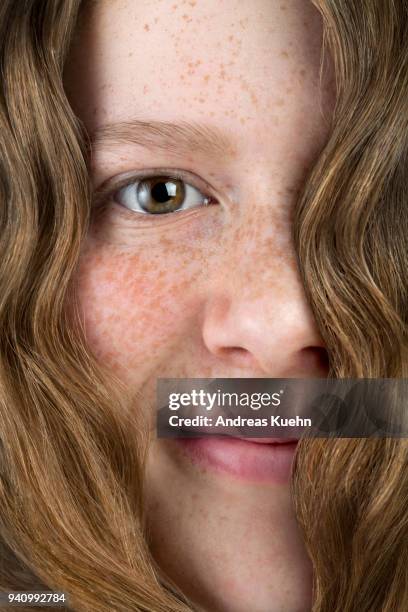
213	290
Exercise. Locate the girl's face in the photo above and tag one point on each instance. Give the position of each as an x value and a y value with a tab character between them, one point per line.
210	287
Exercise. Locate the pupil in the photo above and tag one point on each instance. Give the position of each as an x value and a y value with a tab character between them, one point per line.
161	193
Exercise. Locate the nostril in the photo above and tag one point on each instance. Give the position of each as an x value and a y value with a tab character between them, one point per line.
323	357
238	354
316	358
232	350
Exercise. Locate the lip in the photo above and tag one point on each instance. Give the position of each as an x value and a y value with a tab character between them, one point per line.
267	460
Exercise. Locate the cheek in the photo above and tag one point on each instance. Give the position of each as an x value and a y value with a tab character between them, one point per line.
134	308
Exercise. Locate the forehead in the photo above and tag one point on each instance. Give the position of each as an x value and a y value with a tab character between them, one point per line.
230	62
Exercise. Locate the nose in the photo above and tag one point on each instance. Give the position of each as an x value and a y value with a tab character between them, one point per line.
257	321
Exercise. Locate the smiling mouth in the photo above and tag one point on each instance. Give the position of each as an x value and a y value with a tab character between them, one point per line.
267	460
269	440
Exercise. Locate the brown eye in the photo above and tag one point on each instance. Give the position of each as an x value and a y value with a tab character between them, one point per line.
159	195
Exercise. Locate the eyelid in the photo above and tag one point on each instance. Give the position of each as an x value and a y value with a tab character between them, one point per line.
110	186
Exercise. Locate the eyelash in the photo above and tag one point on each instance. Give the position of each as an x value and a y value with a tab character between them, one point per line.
105	194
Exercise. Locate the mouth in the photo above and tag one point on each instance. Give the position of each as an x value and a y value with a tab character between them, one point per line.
267	460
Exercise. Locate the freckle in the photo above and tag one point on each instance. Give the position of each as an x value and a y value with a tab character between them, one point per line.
284	54
201	100
282	7
146	27
130	54
280	102
242	121
185	16
302	72
289	90
156	20
192	3
206	78
174	7
231	37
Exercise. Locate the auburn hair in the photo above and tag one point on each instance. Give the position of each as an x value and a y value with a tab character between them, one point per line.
71	513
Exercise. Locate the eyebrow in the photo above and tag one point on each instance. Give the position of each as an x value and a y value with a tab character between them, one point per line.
179	138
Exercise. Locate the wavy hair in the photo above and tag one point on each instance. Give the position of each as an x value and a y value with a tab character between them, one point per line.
71	513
